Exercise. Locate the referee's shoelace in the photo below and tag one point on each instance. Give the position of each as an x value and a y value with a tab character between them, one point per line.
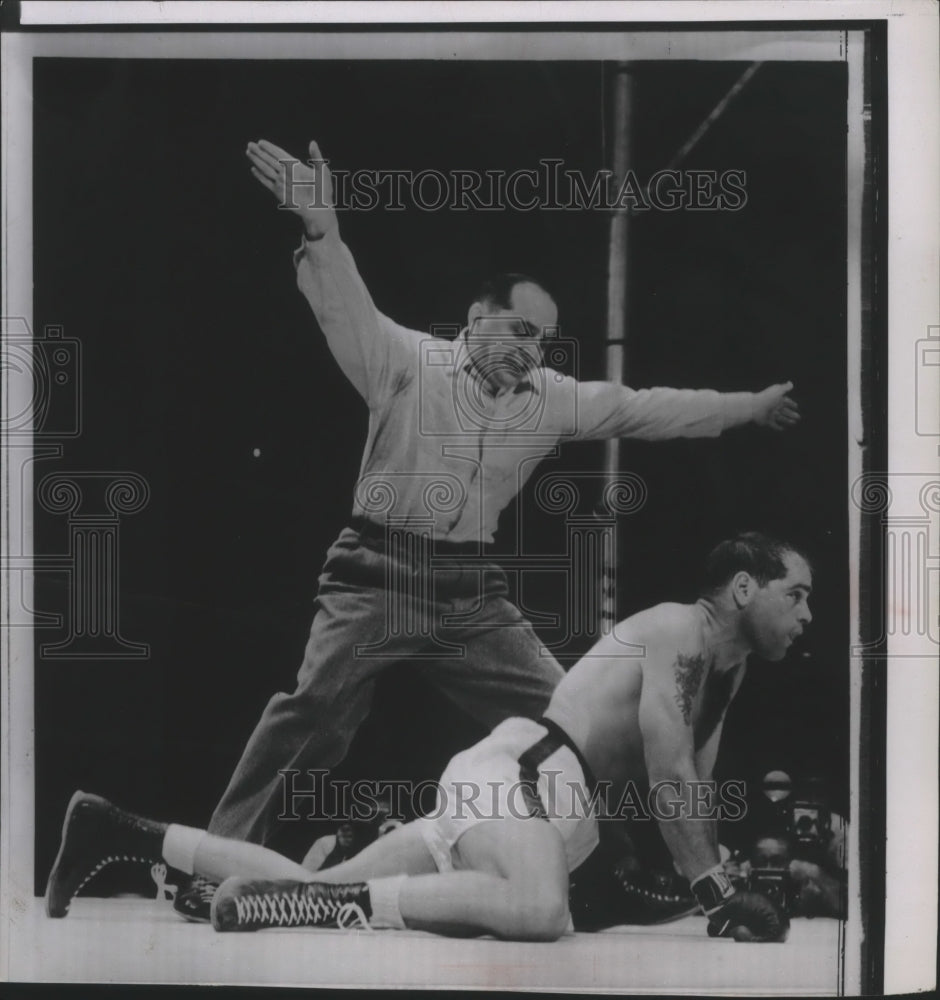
276	909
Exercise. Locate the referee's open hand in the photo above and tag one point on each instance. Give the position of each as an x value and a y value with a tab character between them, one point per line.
303	188
775	409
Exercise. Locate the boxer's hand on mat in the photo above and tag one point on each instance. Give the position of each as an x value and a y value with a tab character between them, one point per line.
775	409
749	916
303	188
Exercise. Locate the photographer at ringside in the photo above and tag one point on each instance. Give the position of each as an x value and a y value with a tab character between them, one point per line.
796	849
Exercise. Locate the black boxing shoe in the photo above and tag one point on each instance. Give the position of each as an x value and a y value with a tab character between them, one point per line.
243	904
194	899
654	897
95	834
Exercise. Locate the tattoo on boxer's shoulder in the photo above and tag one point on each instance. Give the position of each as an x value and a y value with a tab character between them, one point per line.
689	672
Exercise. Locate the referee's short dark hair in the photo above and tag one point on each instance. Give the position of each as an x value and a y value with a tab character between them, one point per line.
759	555
497	289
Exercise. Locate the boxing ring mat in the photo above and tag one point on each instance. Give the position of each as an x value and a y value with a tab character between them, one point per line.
144	941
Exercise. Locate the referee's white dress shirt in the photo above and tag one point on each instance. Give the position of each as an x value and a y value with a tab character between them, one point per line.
443	453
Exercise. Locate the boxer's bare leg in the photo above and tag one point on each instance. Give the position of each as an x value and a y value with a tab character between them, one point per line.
512	882
217	858
512	879
401	852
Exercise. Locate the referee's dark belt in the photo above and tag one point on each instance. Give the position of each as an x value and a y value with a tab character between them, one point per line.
532	759
371	532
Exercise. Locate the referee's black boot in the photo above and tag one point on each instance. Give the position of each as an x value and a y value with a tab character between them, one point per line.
194	898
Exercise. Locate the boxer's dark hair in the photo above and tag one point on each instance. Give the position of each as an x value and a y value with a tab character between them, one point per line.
497	289
754	553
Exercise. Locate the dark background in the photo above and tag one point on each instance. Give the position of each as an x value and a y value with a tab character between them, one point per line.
156	249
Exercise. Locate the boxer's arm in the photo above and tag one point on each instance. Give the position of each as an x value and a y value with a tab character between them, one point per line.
707	754
705	758
717	700
669	688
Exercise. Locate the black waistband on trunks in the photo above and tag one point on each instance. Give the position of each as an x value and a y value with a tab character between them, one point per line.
554	739
559	734
370	531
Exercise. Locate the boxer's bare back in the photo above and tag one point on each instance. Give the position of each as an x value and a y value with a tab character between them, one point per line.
665	676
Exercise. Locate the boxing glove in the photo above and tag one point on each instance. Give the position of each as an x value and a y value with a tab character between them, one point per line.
749	916
744	916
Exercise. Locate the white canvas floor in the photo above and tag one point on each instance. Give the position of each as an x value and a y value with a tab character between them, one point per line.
142	941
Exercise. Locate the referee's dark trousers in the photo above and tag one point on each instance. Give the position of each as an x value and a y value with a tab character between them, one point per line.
443	610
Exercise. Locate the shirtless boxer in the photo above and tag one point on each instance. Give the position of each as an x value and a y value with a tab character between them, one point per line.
514	816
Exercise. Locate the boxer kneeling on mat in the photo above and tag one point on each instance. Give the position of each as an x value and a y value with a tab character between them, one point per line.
516	813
